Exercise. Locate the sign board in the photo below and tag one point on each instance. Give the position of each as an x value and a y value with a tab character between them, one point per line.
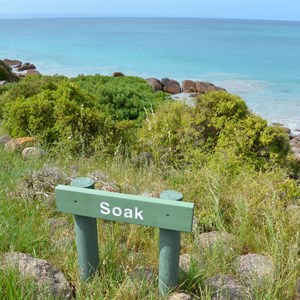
133	209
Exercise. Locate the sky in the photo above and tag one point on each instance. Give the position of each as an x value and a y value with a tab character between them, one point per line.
232	9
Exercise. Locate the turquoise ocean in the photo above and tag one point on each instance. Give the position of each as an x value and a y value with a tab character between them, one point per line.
257	60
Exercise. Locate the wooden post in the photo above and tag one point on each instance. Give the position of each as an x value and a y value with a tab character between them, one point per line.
86	236
169	251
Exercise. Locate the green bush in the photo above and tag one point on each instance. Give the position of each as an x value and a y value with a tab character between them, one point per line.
124	98
218	123
65	115
27	87
82	115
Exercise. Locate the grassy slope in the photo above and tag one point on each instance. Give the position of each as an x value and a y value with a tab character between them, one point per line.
255	214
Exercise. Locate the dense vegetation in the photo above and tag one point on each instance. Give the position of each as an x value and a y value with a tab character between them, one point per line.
6	73
237	170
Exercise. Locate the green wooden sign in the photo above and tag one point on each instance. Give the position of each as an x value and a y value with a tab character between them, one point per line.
149	211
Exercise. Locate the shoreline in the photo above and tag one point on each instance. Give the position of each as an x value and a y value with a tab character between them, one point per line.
175	89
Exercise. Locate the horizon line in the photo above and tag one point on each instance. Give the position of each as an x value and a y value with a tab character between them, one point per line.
45	16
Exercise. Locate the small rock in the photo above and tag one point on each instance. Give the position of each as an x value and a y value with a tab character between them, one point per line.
225	287
41	184
47	277
20	143
254	269
186	261
180	296
5	139
32	72
32	152
150	194
207	241
118	74
102	182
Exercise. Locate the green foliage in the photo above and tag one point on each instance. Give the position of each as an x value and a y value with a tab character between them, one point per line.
124	98
64	114
26	88
6	73
81	115
252	140
219	122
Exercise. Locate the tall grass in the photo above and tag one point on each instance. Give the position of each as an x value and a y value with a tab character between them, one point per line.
242	201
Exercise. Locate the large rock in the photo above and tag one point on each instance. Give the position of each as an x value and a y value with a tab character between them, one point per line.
20	143
295	146
155	84
26	66
254	269
118	74
225	287
49	279
188	86
202	87
12	62
170	86
206	87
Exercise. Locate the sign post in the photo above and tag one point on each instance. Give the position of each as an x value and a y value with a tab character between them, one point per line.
86	237
168	213
169	251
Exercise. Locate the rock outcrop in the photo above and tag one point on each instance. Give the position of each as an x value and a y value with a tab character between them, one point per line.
170	86
118	74
155	84
188	86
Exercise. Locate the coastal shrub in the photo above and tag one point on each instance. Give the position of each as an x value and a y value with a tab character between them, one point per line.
124	98
218	123
66	115
166	133
251	139
85	114
27	87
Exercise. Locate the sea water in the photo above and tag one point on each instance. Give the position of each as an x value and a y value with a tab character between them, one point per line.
257	60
